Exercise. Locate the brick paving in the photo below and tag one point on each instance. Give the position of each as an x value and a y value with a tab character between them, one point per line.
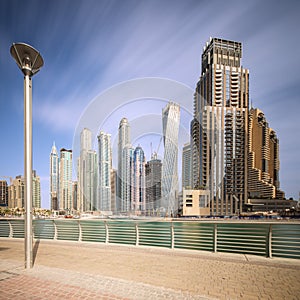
69	270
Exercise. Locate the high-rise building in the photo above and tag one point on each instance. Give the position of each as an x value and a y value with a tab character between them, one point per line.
220	126
113	181
263	159
138	185
54	178
3	193
16	192
170	122
65	180
36	190
75	194
123	190
187	166
87	173
126	178
153	184
105	165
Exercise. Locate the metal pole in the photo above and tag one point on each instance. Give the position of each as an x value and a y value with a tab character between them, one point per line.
28	169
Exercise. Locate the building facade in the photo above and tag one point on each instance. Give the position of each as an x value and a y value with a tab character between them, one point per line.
124	157
36	190
104	167
65	180
187	181
153	184
138	184
3	193
263	159
170	122
54	178
220	125
87	173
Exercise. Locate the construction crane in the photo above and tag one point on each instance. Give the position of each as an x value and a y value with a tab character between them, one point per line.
155	153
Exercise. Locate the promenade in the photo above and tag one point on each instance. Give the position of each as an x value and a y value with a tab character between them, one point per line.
73	270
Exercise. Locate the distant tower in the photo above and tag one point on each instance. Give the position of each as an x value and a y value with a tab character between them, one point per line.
65	180
138	186
104	158
187	166
153	184
36	190
170	120
123	166
87	173
3	193
54	178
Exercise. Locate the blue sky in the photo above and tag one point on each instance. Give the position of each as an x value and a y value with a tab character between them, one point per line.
89	46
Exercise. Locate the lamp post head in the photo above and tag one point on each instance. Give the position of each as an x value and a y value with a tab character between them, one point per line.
28	59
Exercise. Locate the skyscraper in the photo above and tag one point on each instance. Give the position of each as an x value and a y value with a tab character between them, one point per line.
54	178
87	173
170	121
65	180
123	190
3	193
138	185
187	166
219	128
36	190
153	184
105	165
263	178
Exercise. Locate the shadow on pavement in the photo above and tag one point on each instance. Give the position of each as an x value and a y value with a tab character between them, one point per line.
35	250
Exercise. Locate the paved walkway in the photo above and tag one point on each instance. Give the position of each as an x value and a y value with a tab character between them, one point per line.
69	270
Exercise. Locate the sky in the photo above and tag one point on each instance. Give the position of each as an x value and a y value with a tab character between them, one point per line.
96	52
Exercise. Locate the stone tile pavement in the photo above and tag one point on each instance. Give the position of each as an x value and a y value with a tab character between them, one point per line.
69	270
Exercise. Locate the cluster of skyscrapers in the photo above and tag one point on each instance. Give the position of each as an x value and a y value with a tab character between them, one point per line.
136	187
231	158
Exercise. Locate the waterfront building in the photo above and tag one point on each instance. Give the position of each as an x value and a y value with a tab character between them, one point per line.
195	203
36	190
65	180
153	184
87	173
187	166
75	194
138	185
170	122
104	167
3	193
219	128
54	178
126	178
113	182
123	190
16	190
263	158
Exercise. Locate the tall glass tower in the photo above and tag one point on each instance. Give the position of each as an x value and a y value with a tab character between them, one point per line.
170	121
87	173
123	190
65	180
54	178
138	186
219	128
104	167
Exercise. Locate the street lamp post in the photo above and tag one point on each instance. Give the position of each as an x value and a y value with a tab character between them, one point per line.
29	61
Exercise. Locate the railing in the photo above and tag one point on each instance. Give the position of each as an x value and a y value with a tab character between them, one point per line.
270	239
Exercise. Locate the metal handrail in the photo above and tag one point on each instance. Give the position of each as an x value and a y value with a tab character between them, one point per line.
270	239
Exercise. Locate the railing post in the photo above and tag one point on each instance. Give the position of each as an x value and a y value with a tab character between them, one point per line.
106	233
11	230
172	235
80	231
137	234
55	231
215	237
269	243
